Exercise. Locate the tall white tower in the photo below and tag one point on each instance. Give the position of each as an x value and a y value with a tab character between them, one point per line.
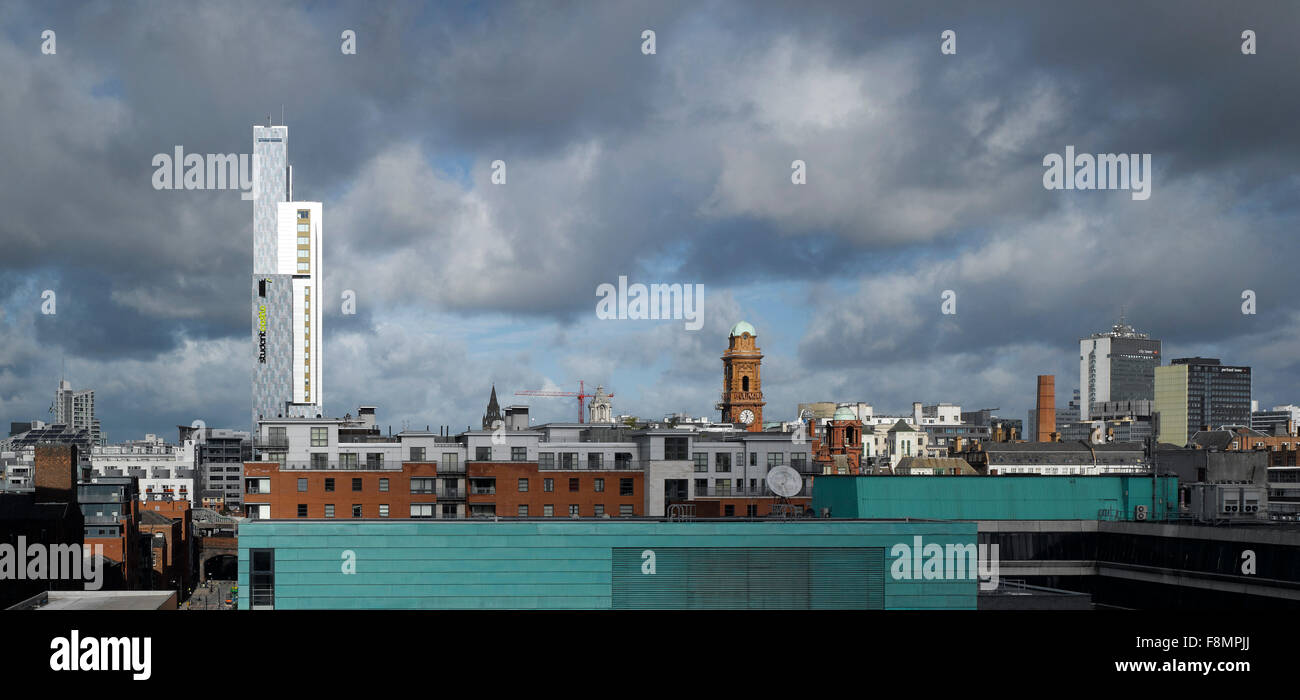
285	286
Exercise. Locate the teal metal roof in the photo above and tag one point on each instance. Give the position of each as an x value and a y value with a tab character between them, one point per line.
743	327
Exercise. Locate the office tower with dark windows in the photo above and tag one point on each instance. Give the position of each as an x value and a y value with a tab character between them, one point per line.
1118	365
286	338
1195	392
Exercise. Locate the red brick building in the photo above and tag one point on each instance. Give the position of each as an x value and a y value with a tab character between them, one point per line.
521	489
837	448
271	491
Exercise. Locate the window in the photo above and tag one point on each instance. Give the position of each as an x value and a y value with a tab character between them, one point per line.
573	510
799	461
599	510
545	460
722	461
302	510
483	454
548	485
701	487
329	484
568	460
383	485
573	485
320	460
329	510
548	510
417	454
675	447
375	460
775	459
450	461
751	511
302	485
252	486
347	460
356	510
595	460
729	511
753	459
383	510
523	486
320	437
356	484
518	454
701	461
303	267
262	578
600	485
421	510
625	509
276	436
523	511
625	487
422	485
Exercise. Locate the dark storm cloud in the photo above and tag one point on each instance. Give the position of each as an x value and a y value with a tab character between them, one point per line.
925	170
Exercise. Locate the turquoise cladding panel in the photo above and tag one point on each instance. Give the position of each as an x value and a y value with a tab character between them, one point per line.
994	497
575	564
749	578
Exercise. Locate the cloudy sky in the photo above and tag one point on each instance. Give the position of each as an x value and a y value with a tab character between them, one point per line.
924	174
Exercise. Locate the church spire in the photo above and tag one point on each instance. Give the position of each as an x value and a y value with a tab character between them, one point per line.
493	411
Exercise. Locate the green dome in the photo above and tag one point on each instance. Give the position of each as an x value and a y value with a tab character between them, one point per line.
844	413
743	327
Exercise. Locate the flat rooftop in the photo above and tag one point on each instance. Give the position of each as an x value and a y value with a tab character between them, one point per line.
102	600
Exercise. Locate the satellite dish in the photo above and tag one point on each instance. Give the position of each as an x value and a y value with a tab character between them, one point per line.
784	481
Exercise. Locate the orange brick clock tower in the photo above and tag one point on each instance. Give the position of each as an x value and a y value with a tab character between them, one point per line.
742	386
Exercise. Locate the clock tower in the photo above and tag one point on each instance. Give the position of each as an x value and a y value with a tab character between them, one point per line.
742	386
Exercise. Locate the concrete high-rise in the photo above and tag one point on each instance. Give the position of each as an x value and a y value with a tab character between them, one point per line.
286	279
76	409
1195	392
1118	365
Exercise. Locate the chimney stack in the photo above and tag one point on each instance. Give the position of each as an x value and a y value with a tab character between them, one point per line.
1045	416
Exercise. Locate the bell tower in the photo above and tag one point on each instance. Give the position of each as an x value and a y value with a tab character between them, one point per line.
742	385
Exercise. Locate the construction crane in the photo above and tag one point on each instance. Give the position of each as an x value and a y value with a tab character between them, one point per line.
581	394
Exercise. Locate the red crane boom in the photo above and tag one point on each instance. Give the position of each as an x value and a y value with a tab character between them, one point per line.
581	394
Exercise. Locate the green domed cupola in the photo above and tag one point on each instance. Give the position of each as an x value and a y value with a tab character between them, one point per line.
743	327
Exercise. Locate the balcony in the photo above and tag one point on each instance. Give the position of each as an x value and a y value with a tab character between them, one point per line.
385	466
445	494
271	444
603	465
744	492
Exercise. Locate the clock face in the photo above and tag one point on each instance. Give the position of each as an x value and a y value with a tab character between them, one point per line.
747	416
